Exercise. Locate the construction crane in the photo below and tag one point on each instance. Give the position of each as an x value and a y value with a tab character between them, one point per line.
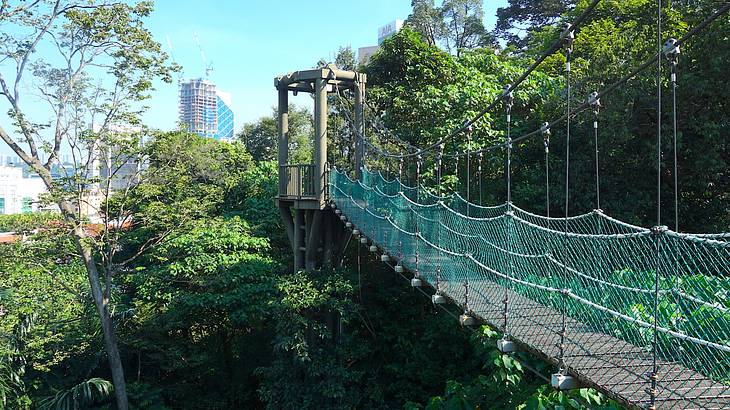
172	57
208	66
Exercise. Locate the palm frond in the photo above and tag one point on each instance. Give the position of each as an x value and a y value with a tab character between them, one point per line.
78	397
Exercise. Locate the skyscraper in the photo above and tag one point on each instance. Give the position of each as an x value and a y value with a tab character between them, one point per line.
225	116
204	110
365	53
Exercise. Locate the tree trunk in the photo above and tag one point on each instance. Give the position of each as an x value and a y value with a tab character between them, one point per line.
85	250
107	325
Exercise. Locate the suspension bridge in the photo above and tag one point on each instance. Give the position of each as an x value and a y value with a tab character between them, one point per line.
640	313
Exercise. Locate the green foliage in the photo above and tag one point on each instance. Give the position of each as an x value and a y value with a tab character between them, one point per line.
81	396
26	223
505	384
427	21
425	94
261	137
307	321
203	301
206	316
535	14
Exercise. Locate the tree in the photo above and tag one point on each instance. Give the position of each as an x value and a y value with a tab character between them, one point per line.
527	16
345	59
261	137
45	312
464	29
427	21
82	41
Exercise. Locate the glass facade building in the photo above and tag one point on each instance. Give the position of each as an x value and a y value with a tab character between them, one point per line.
204	110
225	117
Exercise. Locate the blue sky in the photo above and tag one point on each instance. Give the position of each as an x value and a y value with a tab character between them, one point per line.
249	42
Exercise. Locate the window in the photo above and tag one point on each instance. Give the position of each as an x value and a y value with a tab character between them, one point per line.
27	205
2	206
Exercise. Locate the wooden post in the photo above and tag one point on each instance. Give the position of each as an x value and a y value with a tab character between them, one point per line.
283	119
359	125
320	137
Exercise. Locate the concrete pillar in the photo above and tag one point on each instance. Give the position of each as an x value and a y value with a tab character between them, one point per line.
320	137
283	110
359	126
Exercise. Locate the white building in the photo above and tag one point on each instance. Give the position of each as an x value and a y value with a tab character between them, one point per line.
384	32
388	30
19	194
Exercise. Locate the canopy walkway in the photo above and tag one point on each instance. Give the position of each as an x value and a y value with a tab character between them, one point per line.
581	297
642	314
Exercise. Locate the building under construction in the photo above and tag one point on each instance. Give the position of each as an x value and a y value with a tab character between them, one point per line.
204	110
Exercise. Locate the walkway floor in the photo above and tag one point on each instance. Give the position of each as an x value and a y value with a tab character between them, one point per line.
611	364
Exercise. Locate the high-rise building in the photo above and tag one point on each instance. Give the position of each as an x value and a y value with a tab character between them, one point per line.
365	53
389	30
204	110
225	116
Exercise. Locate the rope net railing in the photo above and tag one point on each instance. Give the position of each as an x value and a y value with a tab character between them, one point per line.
579	290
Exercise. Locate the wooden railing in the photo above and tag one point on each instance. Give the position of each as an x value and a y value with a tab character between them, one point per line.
298	181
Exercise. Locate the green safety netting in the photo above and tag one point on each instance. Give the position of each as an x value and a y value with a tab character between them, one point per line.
581	290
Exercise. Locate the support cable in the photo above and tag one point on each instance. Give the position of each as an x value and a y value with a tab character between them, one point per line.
545	130
417	273
671	51
468	169
569	38
400	170
509	101
479	173
456	174
595	103
439	160
657	231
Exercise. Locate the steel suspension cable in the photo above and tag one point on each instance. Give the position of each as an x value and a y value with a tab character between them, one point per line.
546	144
672	52
438	227
563	332
509	101
657	230
468	170
596	105
481	178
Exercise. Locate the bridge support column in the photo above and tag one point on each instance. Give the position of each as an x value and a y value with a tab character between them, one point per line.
283	120
316	235
299	235
320	138
359	125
